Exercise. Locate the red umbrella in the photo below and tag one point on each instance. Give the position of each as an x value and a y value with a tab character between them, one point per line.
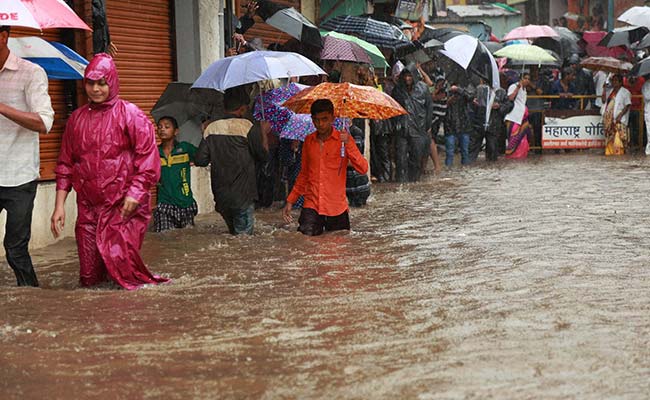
593	38
342	50
39	14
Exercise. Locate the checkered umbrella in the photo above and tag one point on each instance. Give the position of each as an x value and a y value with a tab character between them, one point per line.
381	34
342	50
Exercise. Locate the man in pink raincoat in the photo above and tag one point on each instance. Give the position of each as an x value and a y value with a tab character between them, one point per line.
109	156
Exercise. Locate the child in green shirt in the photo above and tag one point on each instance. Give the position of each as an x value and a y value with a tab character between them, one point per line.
176	206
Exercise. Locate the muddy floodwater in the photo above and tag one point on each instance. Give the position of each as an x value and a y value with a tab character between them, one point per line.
520	280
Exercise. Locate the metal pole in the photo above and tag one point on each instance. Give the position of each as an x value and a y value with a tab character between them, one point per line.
610	15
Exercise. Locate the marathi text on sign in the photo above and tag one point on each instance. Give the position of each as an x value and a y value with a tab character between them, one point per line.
577	132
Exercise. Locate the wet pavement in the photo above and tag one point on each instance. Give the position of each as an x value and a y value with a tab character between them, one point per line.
520	280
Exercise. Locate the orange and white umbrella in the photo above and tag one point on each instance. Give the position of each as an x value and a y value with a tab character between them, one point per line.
351	101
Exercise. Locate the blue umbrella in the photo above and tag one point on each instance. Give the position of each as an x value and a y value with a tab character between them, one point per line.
58	60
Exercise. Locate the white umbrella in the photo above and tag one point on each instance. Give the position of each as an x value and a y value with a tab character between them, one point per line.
467	51
639	16
255	66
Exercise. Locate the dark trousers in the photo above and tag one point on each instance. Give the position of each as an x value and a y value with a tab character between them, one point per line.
476	144
313	224
18	201
409	153
380	165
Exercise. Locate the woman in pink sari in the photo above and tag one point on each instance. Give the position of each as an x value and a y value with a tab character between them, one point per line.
518	126
109	156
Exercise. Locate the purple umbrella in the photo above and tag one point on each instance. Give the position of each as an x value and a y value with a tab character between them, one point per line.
300	125
342	50
267	105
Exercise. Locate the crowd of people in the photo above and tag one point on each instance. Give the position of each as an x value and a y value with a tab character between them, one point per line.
252	167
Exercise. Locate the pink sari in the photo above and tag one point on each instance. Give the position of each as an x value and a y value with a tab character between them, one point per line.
518	139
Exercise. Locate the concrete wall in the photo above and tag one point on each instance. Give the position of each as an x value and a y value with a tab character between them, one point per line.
557	8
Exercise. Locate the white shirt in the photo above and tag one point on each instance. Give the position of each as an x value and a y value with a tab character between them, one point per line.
517	113
600	78
645	90
622	99
23	86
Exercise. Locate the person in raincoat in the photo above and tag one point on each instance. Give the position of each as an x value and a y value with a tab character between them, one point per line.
413	140
109	157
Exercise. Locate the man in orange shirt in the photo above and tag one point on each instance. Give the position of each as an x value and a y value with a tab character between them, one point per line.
325	156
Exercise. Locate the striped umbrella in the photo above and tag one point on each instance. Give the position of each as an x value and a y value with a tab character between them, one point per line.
58	61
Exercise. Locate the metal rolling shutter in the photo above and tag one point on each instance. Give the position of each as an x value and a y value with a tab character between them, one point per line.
142	31
51	142
266	32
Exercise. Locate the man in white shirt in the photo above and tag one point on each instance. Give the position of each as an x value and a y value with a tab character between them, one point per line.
25	111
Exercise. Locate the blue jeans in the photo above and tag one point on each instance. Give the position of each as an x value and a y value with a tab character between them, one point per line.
240	220
450	148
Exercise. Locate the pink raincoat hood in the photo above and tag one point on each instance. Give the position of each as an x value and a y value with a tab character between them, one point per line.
103	66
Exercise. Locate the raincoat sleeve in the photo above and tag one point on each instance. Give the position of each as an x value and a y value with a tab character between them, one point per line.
64	165
357	161
146	159
202	156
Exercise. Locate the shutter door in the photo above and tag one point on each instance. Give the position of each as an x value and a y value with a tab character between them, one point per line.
142	31
261	30
51	142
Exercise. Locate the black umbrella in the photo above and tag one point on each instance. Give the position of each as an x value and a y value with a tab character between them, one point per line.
183	104
289	20
642	68
624	36
565	45
493	47
468	54
417	52
381	34
644	43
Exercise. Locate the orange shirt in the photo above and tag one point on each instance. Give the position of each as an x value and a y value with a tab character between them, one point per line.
322	176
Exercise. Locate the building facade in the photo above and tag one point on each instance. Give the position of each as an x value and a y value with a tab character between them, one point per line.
158	42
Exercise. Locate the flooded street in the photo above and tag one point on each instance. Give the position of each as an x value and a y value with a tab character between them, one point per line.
507	281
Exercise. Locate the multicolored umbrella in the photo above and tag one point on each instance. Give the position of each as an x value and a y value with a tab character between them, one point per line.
300	126
352	101
268	105
40	14
342	50
530	32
